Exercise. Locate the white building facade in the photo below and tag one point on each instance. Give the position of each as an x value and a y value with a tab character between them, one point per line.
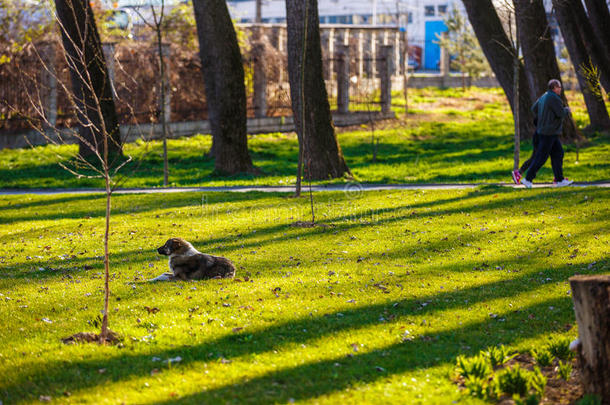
421	19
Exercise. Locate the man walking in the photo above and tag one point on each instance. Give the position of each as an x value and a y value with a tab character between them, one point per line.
550	112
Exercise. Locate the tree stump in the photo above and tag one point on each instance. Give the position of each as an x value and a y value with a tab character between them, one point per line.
591	296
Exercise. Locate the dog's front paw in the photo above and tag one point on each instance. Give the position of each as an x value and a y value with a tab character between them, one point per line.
163	277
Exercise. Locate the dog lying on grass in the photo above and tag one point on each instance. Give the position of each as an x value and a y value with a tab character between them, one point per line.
187	263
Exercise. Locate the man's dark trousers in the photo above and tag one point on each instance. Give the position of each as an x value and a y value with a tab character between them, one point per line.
547	144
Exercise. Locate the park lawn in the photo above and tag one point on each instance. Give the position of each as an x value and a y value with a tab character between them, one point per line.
373	308
448	136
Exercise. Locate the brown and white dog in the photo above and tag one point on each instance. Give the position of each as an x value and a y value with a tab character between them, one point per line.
187	263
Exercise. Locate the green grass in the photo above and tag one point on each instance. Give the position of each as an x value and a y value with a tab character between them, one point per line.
448	136
374	309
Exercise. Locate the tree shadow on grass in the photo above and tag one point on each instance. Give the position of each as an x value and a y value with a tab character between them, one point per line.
315	379
52	208
325	377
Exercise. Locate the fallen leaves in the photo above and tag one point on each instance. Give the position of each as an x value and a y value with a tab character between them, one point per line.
152	310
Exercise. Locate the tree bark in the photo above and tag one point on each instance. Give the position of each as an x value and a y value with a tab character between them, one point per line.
92	91
569	25
223	76
539	55
500	53
593	43
599	16
591	296
322	154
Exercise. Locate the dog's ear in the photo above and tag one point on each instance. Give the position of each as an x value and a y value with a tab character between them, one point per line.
176	244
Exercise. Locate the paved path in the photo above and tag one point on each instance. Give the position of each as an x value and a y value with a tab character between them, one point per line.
347	187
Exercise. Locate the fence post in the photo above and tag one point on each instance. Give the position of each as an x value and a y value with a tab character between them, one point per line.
108	49
49	77
360	50
343	61
385	76
260	79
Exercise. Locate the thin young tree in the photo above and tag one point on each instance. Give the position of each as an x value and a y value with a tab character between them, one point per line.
223	76
90	97
155	23
318	146
91	85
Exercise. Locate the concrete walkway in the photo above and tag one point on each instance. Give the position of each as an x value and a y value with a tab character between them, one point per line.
347	187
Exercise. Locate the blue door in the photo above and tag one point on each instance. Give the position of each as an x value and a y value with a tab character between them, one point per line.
432	51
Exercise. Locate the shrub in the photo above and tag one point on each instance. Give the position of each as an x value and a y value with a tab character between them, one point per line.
532	399
565	370
519	382
513	381
498	355
477	387
543	357
560	348
589	399
537	381
476	366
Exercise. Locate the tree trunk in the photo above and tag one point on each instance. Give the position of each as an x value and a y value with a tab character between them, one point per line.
499	52
539	55
568	23
92	89
599	15
223	76
593	43
591	296
322	155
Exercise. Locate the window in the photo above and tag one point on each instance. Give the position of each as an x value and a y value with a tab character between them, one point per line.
410	18
442	9
429	11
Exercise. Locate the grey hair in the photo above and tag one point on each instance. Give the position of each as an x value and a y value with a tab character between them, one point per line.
554	83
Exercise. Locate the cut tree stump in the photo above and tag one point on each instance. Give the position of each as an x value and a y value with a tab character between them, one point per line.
591	296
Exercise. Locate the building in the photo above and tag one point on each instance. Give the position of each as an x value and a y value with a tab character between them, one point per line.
421	19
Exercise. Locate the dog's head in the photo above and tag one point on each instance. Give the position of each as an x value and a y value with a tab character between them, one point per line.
174	246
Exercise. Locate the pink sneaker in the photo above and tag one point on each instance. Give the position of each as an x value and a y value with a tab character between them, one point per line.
516	176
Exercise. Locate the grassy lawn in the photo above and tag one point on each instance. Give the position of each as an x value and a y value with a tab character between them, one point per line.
448	136
374	308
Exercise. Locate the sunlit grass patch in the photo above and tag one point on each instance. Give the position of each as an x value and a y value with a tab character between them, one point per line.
449	136
379	304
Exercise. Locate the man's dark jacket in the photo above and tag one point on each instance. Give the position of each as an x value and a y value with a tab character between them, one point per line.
550	112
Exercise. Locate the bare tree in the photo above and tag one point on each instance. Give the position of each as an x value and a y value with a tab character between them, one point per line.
593	42
223	76
90	80
318	146
500	54
599	16
539	54
575	43
90	97
155	23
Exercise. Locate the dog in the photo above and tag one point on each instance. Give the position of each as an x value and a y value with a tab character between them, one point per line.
187	263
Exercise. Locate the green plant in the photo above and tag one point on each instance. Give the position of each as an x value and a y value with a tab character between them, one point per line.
477	387
565	370
543	357
476	366
531	399
589	399
498	355
560	347
537	381
513	381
